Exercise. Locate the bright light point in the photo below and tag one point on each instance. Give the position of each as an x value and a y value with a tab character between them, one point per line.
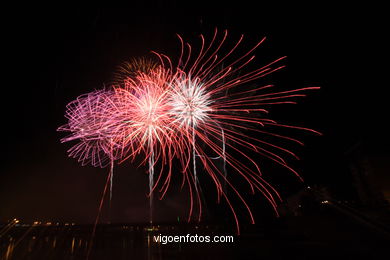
189	101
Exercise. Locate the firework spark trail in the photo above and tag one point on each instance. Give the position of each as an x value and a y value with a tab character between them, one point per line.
90	244
111	182
151	181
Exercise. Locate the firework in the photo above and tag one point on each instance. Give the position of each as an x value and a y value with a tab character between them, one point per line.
88	123
207	108
145	124
130	70
213	109
91	121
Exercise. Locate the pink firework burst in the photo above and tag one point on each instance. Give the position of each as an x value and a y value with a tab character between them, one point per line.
90	119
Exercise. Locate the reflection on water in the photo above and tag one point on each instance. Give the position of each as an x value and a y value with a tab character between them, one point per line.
326	235
53	241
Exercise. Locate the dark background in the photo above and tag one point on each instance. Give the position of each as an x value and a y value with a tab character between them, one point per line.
53	54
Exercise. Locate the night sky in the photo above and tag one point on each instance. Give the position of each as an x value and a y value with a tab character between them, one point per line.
54	54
